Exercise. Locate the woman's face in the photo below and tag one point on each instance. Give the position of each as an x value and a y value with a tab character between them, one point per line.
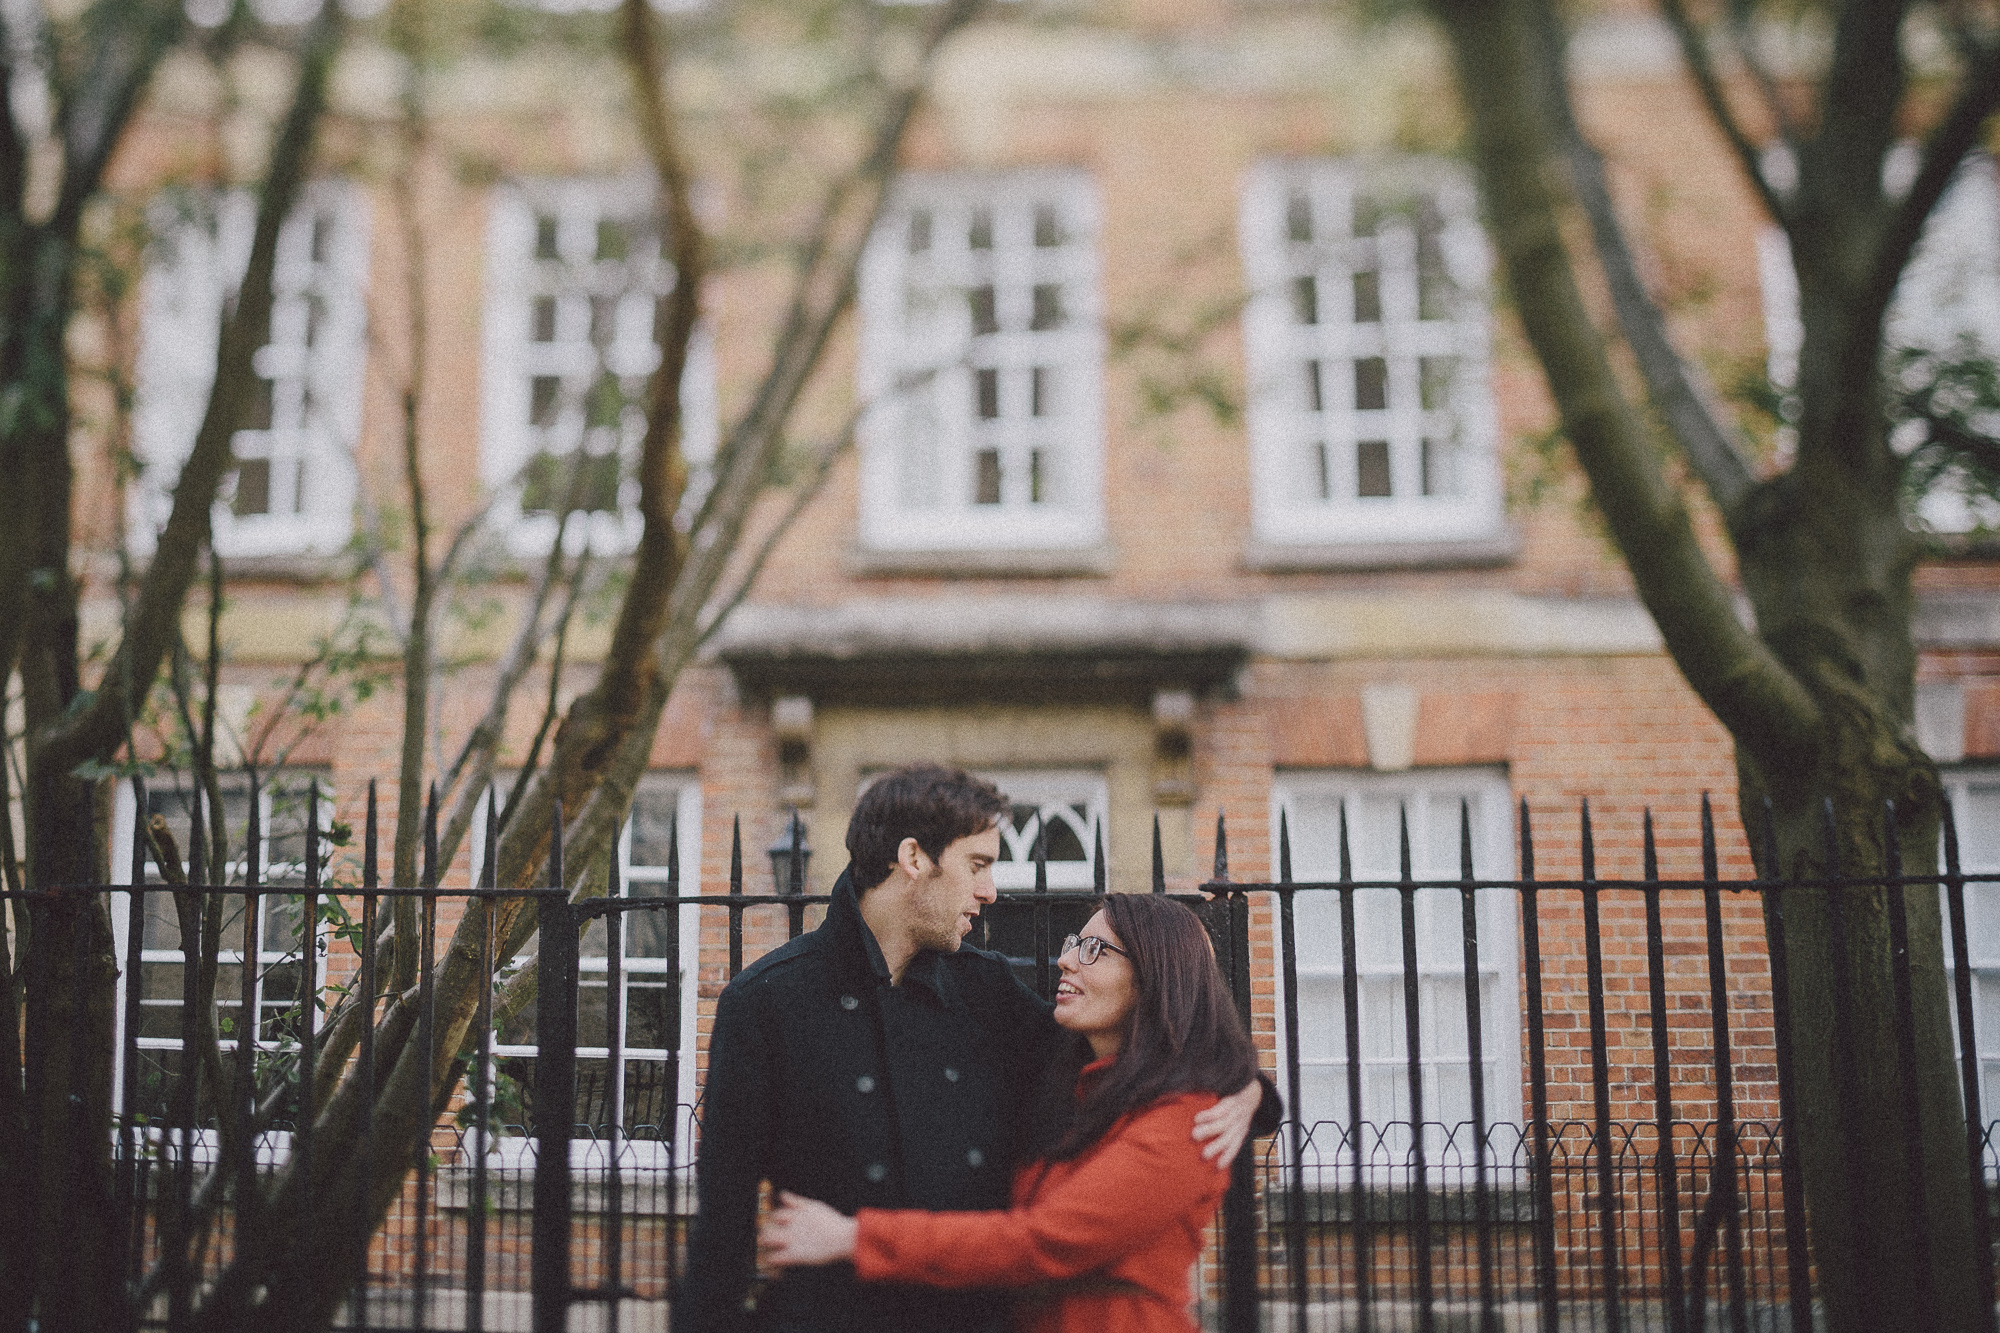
1096	1001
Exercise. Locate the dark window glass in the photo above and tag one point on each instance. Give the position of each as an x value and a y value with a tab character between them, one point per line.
654	812
543	319
322	238
260	405
1305	300
545	238
986	382
650	1020
1371	467
606	404
603	320
544	399
1367	214
986	481
546	482
1038	391
1367	297
1037	480
1048	227
315	319
1048	312
985	312
1371	384
1323	468
979	235
920	231
1434	285
1299	216
253	488
1440	472
1315	393
1434	376
614	241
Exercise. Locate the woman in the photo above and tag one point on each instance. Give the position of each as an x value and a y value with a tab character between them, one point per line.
1108	1218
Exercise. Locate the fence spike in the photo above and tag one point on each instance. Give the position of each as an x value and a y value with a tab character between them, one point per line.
1464	838
253	838
1527	842
795	868
557	880
1159	858
1589	843
1709	869
1221	850
614	886
1284	847
1892	849
197	856
312	834
1346	854
736	856
1097	867
1041	853
1830	837
1649	852
1950	837
674	856
430	876
1403	838
138	830
489	874
370	846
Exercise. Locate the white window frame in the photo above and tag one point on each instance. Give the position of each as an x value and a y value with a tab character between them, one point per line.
647	1153
514	356
921	360
1054	794
1949	290
1431	798
1305	428
1982	921
123	826
314	363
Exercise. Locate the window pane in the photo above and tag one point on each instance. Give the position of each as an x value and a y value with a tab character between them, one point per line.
1305	300
545	238
1434	377
986	485
655	812
920	231
1323	469
1037	478
1440	466
651	1017
1367	297
253	488
985	316
260	407
613	241
986	383
649	1099
1048	312
1371	468
543	320
1048	227
1038	391
979	235
1315	390
1434	285
544	398
1371	384
1298	217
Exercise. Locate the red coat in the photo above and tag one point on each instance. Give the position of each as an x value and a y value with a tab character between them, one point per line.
1131	1210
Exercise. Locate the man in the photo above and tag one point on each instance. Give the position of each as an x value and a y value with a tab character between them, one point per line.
876	1063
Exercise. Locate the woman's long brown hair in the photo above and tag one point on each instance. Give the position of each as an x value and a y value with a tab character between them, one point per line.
1183	1034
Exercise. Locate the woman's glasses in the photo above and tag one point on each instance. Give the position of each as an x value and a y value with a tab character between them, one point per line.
1089	948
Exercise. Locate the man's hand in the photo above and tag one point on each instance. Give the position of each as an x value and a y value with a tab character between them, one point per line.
1224	1127
801	1233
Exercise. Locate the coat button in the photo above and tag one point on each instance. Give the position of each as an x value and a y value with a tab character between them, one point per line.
849	1003
877	1172
866	1083
950	1074
976	1157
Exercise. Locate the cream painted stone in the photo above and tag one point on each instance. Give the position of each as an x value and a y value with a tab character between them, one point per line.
1452	624
1389	722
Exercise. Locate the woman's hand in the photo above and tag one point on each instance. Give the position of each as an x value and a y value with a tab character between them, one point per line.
1226	1125
800	1233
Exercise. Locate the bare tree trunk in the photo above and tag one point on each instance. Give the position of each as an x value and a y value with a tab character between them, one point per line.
1817	698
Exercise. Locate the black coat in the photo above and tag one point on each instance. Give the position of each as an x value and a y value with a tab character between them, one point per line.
827	1081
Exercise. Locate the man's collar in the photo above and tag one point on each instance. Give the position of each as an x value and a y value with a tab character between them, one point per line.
861	954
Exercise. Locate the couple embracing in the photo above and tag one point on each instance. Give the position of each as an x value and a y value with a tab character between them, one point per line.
949	1153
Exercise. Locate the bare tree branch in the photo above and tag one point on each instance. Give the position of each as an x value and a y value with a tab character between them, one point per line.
150	631
127	42
1681	395
1694	50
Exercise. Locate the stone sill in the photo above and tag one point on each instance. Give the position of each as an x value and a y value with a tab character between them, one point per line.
1501	548
982	563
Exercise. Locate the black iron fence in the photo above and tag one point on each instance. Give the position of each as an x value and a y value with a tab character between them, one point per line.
1582	1120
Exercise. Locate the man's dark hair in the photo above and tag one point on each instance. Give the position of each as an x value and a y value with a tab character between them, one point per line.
1183	1034
929	802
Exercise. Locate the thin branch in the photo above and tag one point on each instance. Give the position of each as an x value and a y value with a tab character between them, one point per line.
1694	50
125	48
153	626
1679	392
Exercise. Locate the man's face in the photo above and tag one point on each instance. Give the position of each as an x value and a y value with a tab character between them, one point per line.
950	895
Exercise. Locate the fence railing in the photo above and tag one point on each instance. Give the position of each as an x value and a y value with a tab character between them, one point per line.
1521	1103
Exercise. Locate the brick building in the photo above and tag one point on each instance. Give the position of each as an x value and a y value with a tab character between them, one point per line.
1321	561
